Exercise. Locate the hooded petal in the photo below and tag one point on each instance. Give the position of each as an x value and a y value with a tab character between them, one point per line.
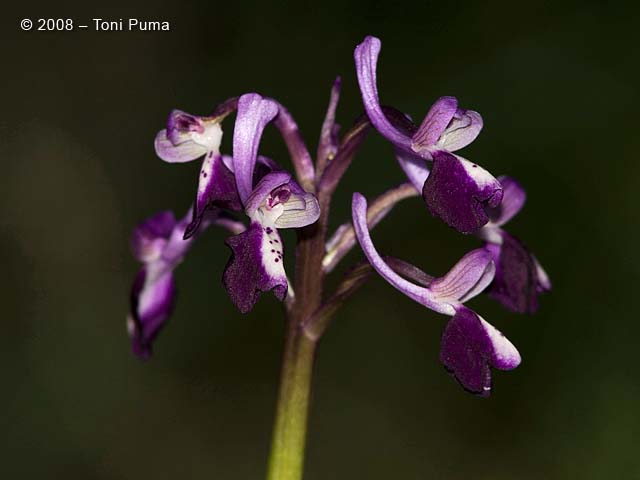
187	137
463	129
261	193
415	292
366	57
435	123
152	301
278	201
470	346
470	276
255	266
150	237
254	113
517	281
299	210
216	189
459	192
513	199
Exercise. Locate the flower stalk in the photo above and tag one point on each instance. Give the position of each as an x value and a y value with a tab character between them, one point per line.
286	460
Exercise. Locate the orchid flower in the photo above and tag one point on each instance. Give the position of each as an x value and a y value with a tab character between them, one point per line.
519	276
189	137
470	345
159	245
456	190
274	201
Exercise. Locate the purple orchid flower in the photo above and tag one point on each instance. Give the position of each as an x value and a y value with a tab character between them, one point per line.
271	202
189	137
519	276
456	190
159	245
470	345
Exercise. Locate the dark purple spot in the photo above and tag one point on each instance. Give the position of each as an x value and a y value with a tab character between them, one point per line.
272	250
475	166
276	241
270	242
277	260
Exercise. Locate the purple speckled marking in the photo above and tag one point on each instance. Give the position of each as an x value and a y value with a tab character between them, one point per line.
245	276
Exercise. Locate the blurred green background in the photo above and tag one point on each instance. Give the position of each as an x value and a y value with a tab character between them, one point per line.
557	84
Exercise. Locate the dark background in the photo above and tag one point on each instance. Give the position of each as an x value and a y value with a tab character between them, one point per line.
556	83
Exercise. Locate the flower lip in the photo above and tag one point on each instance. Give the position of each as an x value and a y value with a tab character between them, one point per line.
255	266
460	192
471	346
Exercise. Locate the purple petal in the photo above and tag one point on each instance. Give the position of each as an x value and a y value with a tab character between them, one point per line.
459	191
150	237
516	284
216	189
152	301
254	113
366	57
415	292
435	123
513	199
470	346
414	167
470	276
463	129
255	266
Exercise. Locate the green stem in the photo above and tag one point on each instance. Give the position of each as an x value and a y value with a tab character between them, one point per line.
288	444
